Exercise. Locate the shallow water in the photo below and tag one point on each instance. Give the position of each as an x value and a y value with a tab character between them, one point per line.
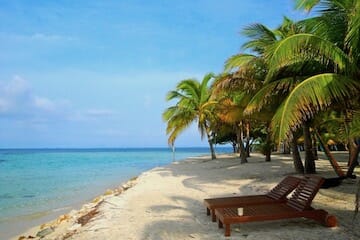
38	184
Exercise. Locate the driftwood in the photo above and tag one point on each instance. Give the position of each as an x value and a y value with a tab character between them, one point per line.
87	217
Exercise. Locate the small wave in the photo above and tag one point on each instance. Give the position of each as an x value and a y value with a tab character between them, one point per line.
2	160
28	196
61	209
6	196
26	217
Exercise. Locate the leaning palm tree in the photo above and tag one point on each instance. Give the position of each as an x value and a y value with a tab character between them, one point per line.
333	41
194	104
271	95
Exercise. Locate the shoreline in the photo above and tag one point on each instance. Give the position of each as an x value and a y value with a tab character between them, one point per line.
74	212
32	221
129	201
68	178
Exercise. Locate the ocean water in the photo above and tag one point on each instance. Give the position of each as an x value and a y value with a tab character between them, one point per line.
36	185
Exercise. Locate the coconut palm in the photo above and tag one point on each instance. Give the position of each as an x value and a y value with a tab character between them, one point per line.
272	94
243	77
247	74
333	44
229	113
193	105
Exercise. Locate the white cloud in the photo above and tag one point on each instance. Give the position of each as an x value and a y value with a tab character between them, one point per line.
113	133
17	98
4	105
17	86
90	114
18	101
99	112
44	103
14	94
49	37
148	101
40	37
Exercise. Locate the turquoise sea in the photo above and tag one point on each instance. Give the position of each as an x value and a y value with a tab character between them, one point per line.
36	185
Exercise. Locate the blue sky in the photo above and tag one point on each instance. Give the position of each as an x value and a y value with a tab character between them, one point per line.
95	73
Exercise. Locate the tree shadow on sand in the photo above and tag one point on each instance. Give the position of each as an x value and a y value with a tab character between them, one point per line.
191	222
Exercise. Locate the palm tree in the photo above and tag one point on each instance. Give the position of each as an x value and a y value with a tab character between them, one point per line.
246	73
229	112
193	104
271	94
334	45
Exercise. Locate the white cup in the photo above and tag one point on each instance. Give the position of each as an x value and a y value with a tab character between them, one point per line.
240	211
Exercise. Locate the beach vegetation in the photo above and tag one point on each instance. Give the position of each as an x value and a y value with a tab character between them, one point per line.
333	43
193	103
300	82
233	91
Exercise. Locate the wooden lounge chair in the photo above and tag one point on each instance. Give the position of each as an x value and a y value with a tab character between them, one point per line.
298	206
277	194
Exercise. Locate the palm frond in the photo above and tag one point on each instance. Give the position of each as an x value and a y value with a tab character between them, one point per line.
355	126
262	97
306	47
238	60
179	120
261	37
204	88
306	4
309	97
169	112
174	95
352	39
193	104
190	88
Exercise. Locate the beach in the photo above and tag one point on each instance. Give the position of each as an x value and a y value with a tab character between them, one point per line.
167	203
38	185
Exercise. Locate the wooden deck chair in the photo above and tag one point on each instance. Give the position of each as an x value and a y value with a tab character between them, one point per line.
298	206
277	194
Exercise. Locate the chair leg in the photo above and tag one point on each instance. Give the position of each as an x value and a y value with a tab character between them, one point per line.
208	211
227	230
323	218
220	224
330	221
213	216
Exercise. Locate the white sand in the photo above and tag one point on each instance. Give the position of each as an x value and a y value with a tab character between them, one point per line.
167	203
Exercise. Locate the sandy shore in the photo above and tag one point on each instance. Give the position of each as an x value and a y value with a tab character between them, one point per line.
167	203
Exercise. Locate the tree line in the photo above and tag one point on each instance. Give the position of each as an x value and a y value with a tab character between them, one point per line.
297	82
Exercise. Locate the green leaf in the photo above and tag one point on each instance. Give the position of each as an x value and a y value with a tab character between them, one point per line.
306	4
236	61
306	47
309	97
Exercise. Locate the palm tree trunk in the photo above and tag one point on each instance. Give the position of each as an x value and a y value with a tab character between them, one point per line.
349	145
309	156
357	200
330	156
211	145
286	147
239	134
210	141
314	146
268	145
353	151
354	156
298	165
243	155
247	148
234	147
